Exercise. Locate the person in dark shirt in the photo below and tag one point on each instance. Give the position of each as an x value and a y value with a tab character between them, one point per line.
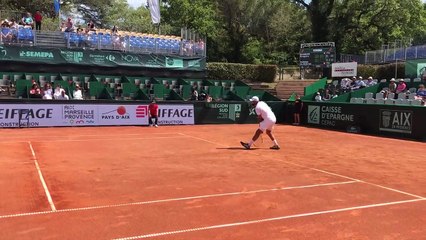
298	106
153	113
38	18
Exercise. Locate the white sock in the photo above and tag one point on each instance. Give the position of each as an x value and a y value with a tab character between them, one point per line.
251	143
275	142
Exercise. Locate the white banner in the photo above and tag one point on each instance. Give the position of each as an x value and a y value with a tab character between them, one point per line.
52	115
176	114
154	8
46	115
348	69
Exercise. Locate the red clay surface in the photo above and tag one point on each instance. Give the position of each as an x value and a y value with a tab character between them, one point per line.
196	182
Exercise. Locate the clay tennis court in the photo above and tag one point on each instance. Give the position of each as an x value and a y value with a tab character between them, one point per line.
196	182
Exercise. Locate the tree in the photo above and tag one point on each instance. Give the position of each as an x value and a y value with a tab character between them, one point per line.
319	12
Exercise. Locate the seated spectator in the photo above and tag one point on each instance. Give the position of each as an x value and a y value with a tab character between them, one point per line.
63	96
318	97
345	84
69	26
47	92
194	95
35	91
402	87
327	96
27	20
91	26
370	82
57	92
116	42
359	83
421	93
114	30
6	34
209	98
392	86
77	94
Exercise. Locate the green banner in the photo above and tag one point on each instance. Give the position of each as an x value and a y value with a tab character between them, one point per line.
99	58
416	69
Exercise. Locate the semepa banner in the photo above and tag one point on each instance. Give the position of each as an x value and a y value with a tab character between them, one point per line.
99	58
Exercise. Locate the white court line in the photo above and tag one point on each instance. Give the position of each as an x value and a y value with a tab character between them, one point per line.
268	219
94	139
319	170
46	190
94	135
177	199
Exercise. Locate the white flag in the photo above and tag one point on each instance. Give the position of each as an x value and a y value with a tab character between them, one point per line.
154	8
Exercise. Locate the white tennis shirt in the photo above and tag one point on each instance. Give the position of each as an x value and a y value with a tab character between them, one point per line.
262	109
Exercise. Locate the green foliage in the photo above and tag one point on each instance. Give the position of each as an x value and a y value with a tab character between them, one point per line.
386	71
234	71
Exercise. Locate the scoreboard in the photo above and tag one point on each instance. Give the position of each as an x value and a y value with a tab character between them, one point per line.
317	55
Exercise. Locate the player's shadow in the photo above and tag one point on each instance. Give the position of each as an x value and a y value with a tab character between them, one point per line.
238	148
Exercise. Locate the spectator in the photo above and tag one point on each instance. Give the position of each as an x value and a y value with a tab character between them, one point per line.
345	84
116	42
402	87
421	93
327	96
392	86
318	97
370	82
77	94
6	34
359	83
194	95
69	26
209	98
35	91
57	92
114	30
63	96
27	20
91	26
48	92
38	18
298	106
153	113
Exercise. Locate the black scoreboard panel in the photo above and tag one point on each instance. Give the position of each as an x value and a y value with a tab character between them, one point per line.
317	56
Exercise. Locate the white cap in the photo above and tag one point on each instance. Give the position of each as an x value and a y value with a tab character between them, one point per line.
254	99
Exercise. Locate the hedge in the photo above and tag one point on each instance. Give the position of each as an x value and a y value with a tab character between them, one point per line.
382	71
236	71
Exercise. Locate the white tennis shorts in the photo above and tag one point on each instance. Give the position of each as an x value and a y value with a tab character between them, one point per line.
266	124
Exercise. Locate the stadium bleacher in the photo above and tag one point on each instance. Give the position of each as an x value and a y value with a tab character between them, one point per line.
134	87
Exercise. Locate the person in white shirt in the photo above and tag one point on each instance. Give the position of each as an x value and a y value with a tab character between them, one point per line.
77	94
63	96
267	121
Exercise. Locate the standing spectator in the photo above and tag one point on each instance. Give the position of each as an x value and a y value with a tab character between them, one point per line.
38	18
114	30
153	113
69	26
298	106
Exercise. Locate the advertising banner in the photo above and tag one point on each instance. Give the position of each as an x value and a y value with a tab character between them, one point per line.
348	69
401	121
46	115
176	114
99	58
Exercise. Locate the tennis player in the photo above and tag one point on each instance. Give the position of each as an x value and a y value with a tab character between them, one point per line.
267	121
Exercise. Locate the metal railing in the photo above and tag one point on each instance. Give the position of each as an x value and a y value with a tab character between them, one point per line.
395	54
101	41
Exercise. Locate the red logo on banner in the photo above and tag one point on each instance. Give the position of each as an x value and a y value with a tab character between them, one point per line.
141	111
